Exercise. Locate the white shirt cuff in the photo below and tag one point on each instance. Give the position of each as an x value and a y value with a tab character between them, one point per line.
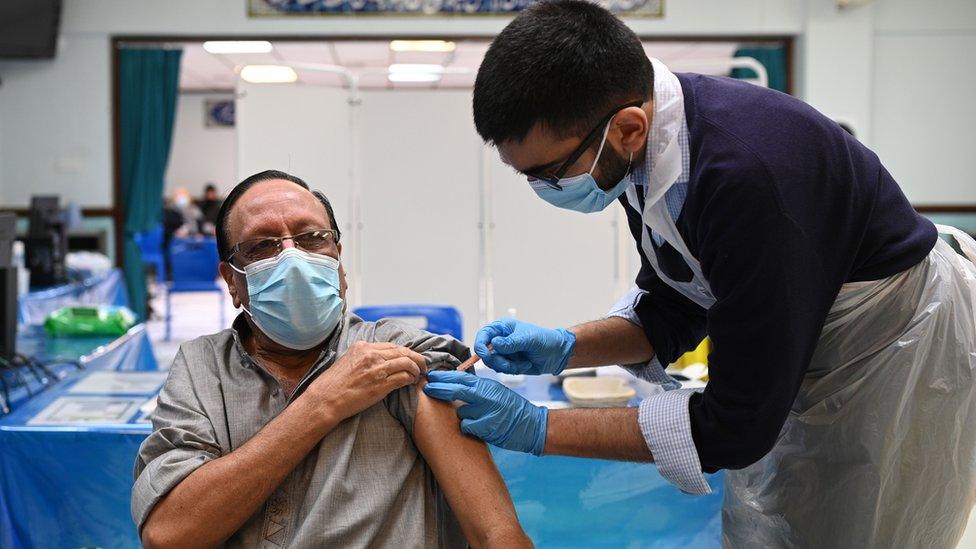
666	425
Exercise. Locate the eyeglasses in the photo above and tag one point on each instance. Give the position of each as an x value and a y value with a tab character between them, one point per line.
256	249
552	180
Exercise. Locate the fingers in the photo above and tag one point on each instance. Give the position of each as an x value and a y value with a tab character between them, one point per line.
508	344
449	391
503	365
452	376
403	352
398	381
468	363
491	330
402	364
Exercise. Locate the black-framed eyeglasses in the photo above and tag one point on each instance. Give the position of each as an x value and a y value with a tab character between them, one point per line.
316	242
552	179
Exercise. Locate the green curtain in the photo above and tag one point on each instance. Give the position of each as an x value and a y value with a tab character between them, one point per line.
148	88
771	57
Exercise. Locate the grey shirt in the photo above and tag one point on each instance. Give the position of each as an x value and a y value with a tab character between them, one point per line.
364	485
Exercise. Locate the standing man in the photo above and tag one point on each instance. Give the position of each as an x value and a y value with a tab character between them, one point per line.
841	396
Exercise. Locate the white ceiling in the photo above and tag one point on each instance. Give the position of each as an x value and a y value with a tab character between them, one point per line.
201	70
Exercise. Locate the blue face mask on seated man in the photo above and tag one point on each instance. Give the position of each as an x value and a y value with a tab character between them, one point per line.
581	193
294	297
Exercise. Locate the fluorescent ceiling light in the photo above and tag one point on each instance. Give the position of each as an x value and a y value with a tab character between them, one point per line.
413	77
237	46
268	74
441	46
409	72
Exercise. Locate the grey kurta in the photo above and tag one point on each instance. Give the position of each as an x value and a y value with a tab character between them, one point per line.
365	484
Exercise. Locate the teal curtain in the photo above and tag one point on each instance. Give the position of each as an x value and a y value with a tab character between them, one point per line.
771	57
148	89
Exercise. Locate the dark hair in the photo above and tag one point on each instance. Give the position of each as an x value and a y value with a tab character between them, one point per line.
210	187
223	246
561	63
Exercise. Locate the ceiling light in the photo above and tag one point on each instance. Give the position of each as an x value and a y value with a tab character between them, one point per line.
441	46
237	46
409	72
268	74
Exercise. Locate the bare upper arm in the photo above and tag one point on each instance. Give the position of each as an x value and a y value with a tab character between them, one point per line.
466	473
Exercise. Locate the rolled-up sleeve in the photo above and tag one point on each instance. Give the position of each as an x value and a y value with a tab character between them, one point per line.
182	440
666	425
652	370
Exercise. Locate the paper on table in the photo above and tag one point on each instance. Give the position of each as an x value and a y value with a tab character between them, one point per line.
120	382
83	410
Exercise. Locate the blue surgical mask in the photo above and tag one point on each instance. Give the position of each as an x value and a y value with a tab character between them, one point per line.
581	193
294	297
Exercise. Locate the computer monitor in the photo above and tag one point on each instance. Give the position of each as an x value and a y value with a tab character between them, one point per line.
8	233
8	288
47	243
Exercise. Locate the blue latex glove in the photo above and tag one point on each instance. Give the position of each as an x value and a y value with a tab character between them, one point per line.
494	413
523	348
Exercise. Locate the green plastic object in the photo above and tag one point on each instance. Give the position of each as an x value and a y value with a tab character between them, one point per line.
89	321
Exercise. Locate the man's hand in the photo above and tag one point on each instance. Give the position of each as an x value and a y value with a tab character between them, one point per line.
493	412
523	348
365	375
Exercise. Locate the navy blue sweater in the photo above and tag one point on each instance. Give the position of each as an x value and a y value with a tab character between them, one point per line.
783	208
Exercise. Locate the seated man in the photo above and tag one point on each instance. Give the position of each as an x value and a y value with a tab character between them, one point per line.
301	426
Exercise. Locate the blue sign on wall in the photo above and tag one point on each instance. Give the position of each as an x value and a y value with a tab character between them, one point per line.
219	112
646	8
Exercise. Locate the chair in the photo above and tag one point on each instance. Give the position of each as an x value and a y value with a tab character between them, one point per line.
151	248
194	265
441	319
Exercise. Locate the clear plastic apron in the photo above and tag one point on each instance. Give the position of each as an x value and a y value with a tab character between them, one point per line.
879	449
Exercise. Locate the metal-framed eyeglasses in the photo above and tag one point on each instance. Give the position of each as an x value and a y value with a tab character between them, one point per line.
319	241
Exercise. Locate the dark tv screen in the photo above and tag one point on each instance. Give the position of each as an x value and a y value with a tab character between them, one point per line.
29	28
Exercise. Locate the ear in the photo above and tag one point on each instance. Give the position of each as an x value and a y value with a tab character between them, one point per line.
631	125
343	283
228	274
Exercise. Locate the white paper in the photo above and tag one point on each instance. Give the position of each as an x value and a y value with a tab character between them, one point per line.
120	382
80	410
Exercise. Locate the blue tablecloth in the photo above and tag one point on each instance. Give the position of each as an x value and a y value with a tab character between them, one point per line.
70	486
63	356
63	485
106	289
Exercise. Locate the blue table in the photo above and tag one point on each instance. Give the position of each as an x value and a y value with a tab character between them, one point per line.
65	472
575	502
69	486
105	289
131	351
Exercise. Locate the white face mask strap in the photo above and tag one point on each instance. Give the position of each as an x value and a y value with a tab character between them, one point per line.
603	142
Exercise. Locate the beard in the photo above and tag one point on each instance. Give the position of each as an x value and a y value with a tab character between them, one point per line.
611	169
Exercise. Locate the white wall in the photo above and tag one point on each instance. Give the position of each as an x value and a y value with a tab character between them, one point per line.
55	114
55	127
201	153
924	87
432	215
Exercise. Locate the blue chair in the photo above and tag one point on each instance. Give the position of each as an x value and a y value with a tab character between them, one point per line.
194	265
151	248
441	319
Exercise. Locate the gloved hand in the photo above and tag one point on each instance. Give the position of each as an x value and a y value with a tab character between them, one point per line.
523	348
494	413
